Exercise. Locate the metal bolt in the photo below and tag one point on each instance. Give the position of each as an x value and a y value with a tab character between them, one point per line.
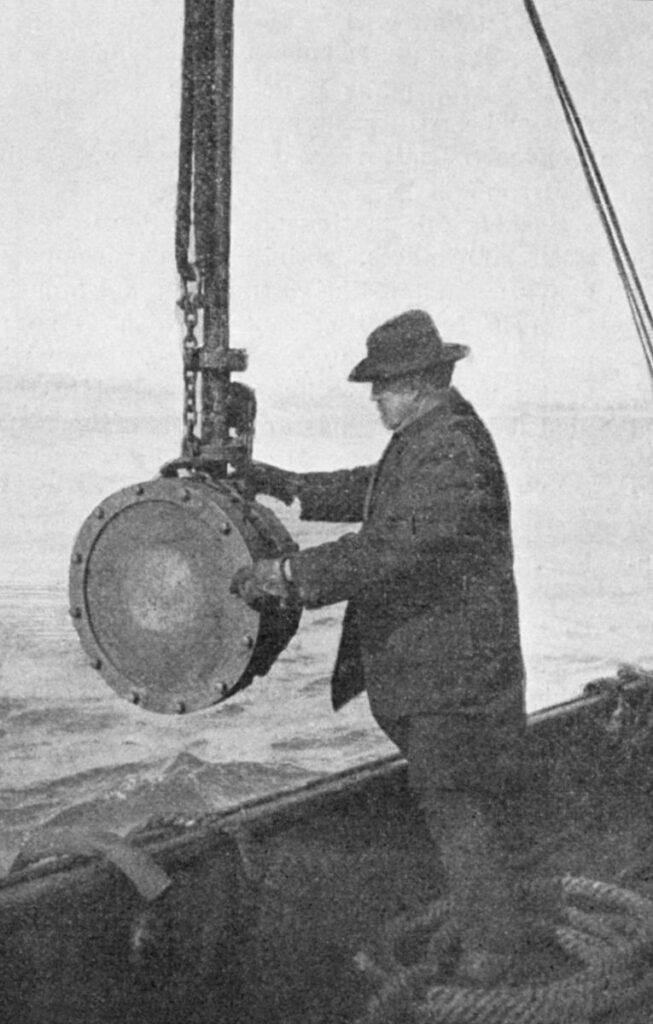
225	528
181	707
247	642
139	489
96	663
135	697
75	613
78	558
99	512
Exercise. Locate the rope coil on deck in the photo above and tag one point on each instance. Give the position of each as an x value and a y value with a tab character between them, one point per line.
608	929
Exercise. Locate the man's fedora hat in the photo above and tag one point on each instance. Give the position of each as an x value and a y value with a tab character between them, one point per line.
407	344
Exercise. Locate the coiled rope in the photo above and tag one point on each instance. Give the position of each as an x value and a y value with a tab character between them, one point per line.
607	930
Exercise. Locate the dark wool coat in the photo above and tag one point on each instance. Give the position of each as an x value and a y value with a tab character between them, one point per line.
432	622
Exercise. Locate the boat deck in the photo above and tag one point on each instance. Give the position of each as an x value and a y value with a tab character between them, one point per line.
334	883
271	904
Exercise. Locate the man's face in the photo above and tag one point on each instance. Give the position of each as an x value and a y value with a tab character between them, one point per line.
394	399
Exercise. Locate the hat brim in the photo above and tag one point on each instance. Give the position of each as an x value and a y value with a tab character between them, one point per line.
372	369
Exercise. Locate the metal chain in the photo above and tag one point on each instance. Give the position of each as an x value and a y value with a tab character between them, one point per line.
190	303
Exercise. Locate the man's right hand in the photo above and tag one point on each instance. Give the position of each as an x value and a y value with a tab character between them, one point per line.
262	478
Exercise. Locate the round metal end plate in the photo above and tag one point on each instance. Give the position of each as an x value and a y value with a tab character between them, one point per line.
149	590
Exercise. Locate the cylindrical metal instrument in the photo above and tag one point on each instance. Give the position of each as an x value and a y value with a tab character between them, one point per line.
150	599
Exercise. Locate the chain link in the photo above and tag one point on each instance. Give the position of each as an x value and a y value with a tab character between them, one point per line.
190	303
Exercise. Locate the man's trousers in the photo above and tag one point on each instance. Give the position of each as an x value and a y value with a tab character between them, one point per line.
467	773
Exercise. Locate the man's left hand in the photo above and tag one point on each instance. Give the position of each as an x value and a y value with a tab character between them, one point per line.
263	582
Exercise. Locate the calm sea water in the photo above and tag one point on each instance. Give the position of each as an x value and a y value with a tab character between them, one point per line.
74	753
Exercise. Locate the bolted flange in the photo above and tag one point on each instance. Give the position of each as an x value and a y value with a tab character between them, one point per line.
150	595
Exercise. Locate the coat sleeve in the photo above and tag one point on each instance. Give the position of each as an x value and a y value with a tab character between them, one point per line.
337	497
437	510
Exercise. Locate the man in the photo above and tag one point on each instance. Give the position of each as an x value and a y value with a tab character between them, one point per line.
431	627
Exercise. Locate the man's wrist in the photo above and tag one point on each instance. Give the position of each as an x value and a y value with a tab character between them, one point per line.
286	569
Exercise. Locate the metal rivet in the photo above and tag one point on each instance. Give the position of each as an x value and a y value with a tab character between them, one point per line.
75	613
99	512
135	697
247	642
225	528
181	707
78	558
96	663
139	489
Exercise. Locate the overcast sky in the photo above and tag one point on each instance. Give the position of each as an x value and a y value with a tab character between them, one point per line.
387	155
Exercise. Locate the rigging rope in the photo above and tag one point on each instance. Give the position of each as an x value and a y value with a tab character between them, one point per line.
185	171
197	170
635	296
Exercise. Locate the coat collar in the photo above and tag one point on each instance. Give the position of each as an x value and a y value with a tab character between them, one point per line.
447	404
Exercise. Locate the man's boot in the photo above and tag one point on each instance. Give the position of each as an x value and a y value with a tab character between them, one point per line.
483	886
